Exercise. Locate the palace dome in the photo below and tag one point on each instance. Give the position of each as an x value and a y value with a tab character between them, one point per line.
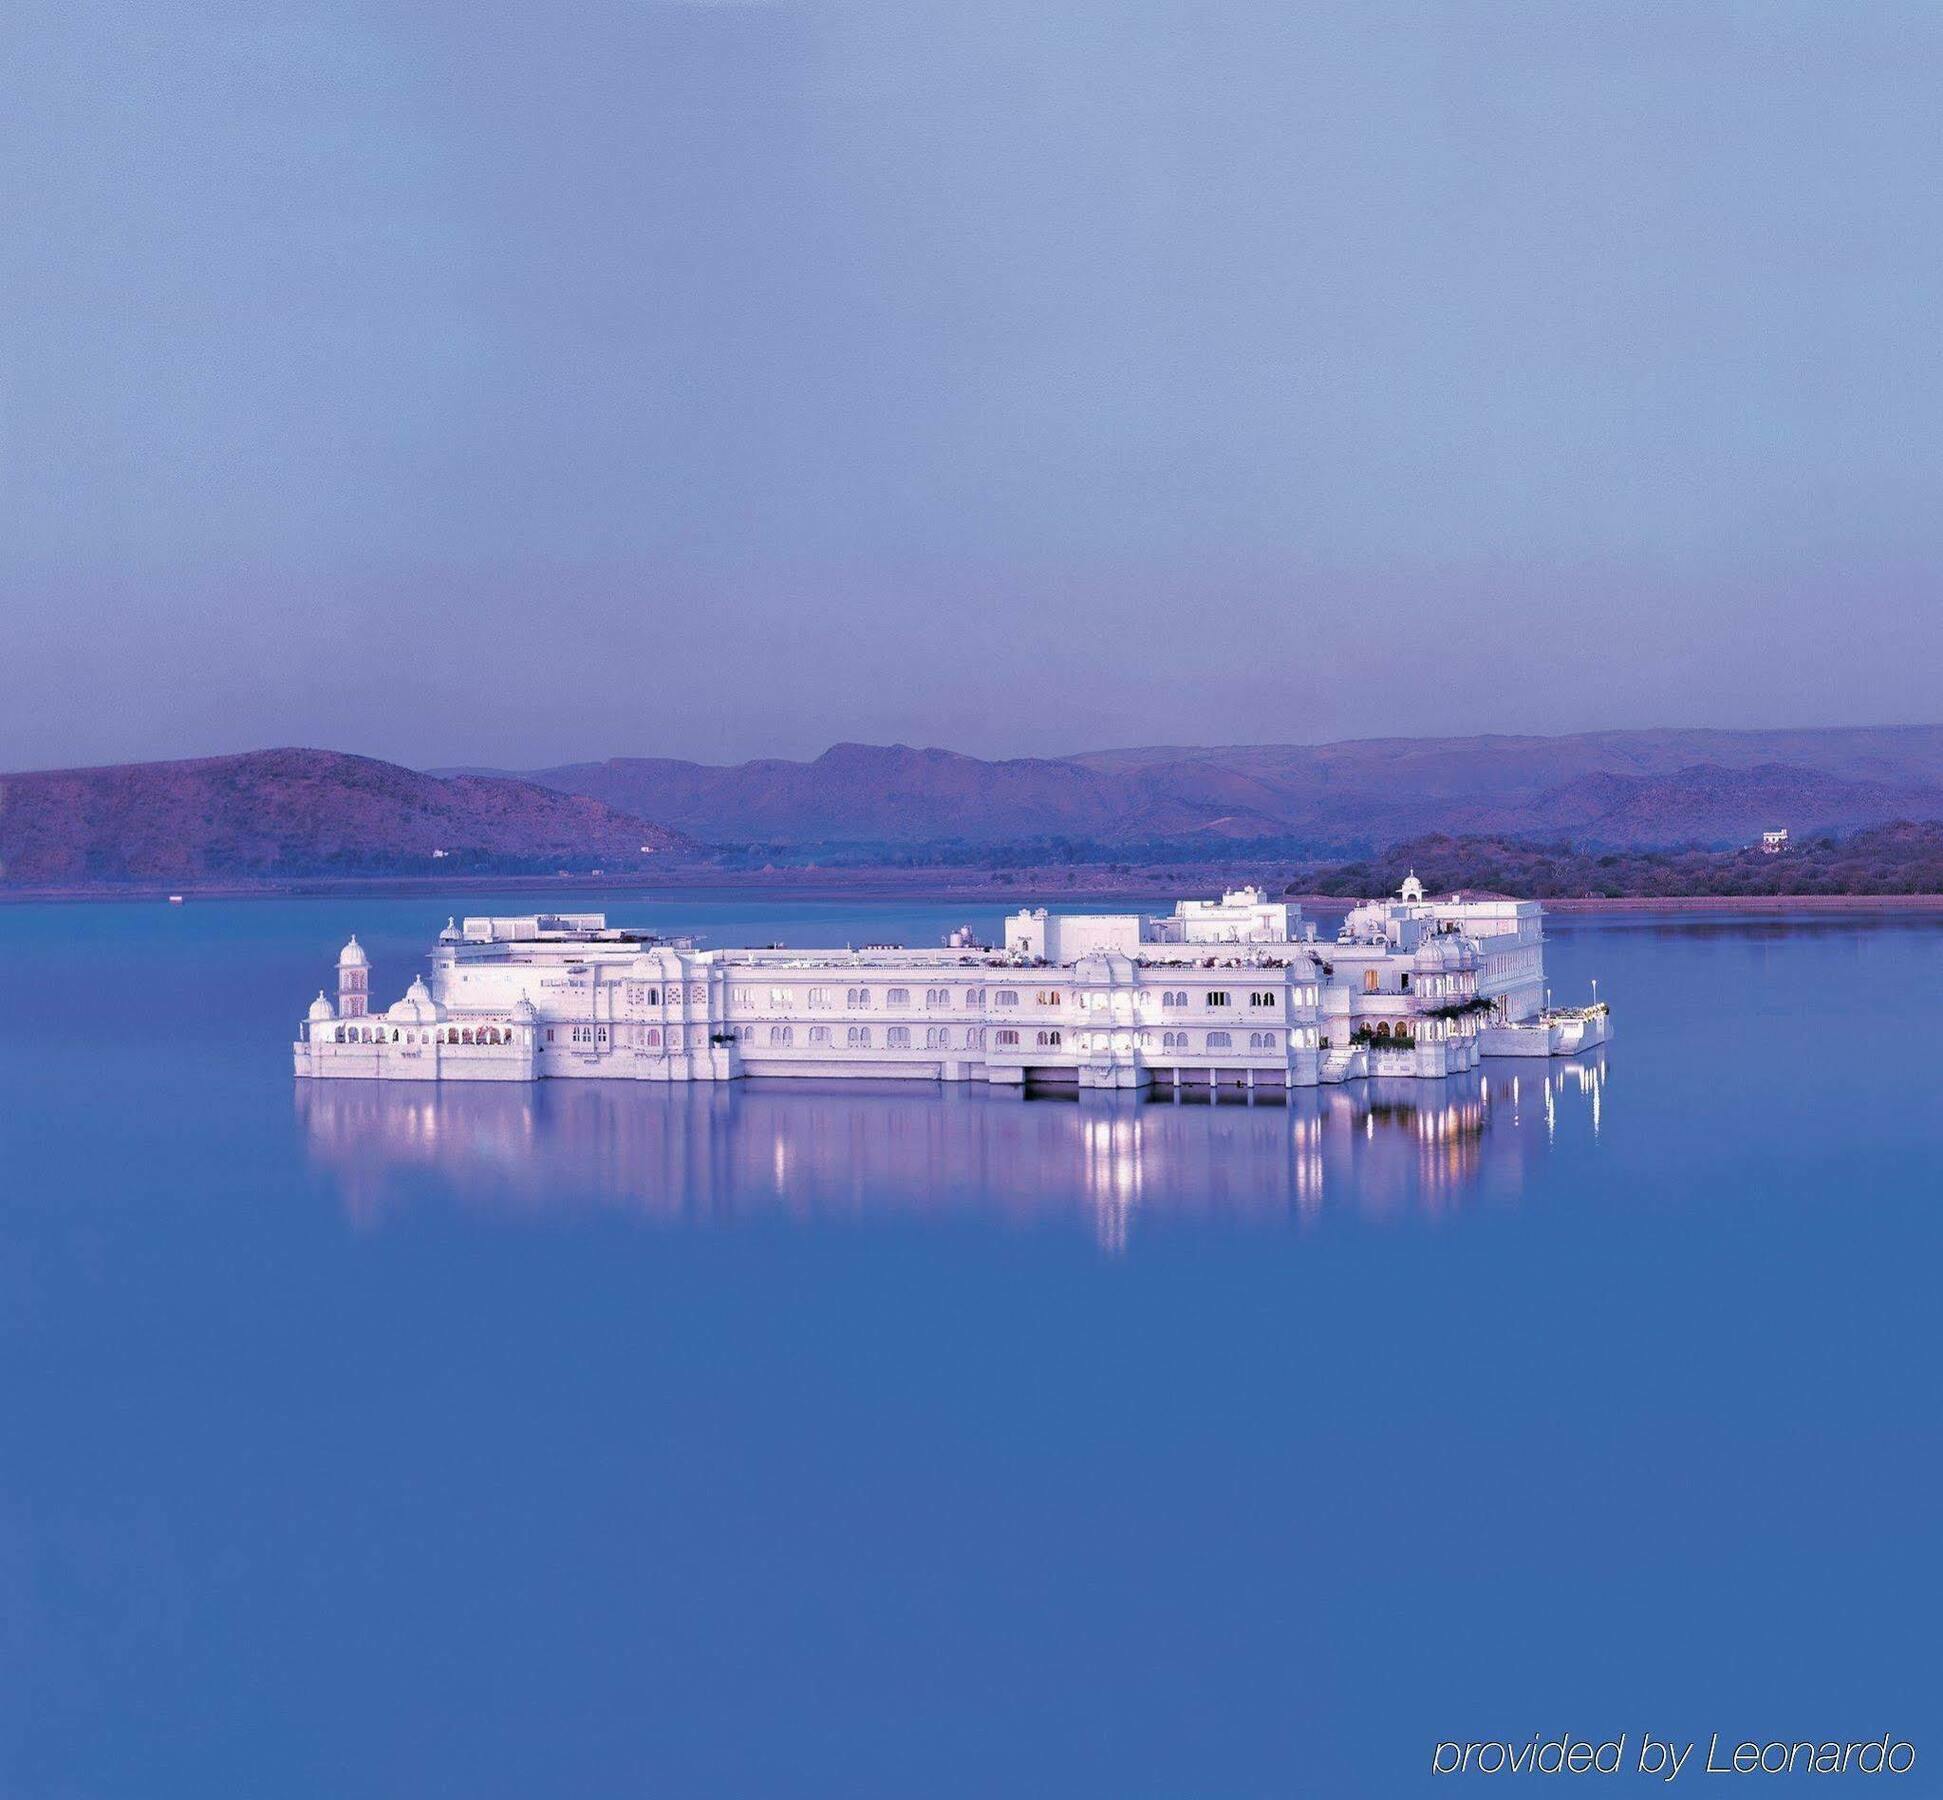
320	1010
352	956
418	1007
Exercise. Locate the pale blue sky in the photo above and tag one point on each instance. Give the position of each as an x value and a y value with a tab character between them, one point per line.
517	383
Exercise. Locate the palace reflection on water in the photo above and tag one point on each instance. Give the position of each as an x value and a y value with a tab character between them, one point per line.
727	1152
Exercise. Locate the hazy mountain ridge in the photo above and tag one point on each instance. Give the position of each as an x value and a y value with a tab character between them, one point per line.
292	811
295	812
1614	787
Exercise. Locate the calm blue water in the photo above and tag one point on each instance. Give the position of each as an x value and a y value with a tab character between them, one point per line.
622	1441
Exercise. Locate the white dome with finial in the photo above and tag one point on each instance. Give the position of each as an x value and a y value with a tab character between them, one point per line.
320	1009
417	1008
352	956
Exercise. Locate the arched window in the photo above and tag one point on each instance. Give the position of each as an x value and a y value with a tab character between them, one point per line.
654	1037
779	1034
1219	1040
1048	1040
1383	1028
1267	999
1005	997
819	1034
899	1037
1008	1038
937	996
898	997
859	1037
938	1037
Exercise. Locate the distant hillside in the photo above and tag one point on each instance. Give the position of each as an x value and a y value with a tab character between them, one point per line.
292	812
1616	787
1901	858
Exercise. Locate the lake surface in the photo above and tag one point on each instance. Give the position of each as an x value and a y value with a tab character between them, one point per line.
602	1439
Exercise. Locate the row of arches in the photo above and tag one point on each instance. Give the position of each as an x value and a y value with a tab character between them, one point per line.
410	1034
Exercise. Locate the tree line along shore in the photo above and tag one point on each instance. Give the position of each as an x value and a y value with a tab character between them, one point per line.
1889	865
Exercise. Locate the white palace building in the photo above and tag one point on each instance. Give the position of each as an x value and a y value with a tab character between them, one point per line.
1231	993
